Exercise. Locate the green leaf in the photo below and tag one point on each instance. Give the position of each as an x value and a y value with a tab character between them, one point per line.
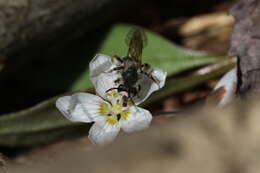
38	125
43	123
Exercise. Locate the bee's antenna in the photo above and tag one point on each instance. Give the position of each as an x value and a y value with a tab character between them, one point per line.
104	99
111	89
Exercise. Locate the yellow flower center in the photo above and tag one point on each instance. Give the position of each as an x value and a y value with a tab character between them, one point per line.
113	110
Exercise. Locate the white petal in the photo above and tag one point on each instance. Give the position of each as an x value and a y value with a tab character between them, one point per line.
229	82
148	86
104	82
160	75
99	64
80	107
64	105
103	133
140	119
100	74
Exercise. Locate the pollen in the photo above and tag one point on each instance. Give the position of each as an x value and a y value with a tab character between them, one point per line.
115	111
125	115
130	103
103	109
113	94
117	108
111	120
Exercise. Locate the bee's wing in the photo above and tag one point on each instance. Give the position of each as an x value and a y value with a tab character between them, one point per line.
136	41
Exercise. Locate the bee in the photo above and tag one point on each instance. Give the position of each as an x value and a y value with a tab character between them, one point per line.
131	65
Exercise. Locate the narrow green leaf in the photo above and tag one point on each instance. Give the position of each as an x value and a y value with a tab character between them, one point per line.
43	123
40	124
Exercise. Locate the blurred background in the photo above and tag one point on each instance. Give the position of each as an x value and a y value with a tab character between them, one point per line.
47	45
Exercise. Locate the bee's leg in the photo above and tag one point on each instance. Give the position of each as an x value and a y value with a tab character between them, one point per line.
111	89
138	90
146	68
118	58
116	69
132	93
125	101
131	99
104	98
154	79
117	81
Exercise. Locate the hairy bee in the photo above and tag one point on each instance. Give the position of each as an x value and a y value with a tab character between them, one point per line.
131	65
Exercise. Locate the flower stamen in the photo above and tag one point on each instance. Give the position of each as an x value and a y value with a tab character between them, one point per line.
115	111
111	120
103	109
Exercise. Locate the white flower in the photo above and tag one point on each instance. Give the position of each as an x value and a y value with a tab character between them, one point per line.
103	77
111	110
108	114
